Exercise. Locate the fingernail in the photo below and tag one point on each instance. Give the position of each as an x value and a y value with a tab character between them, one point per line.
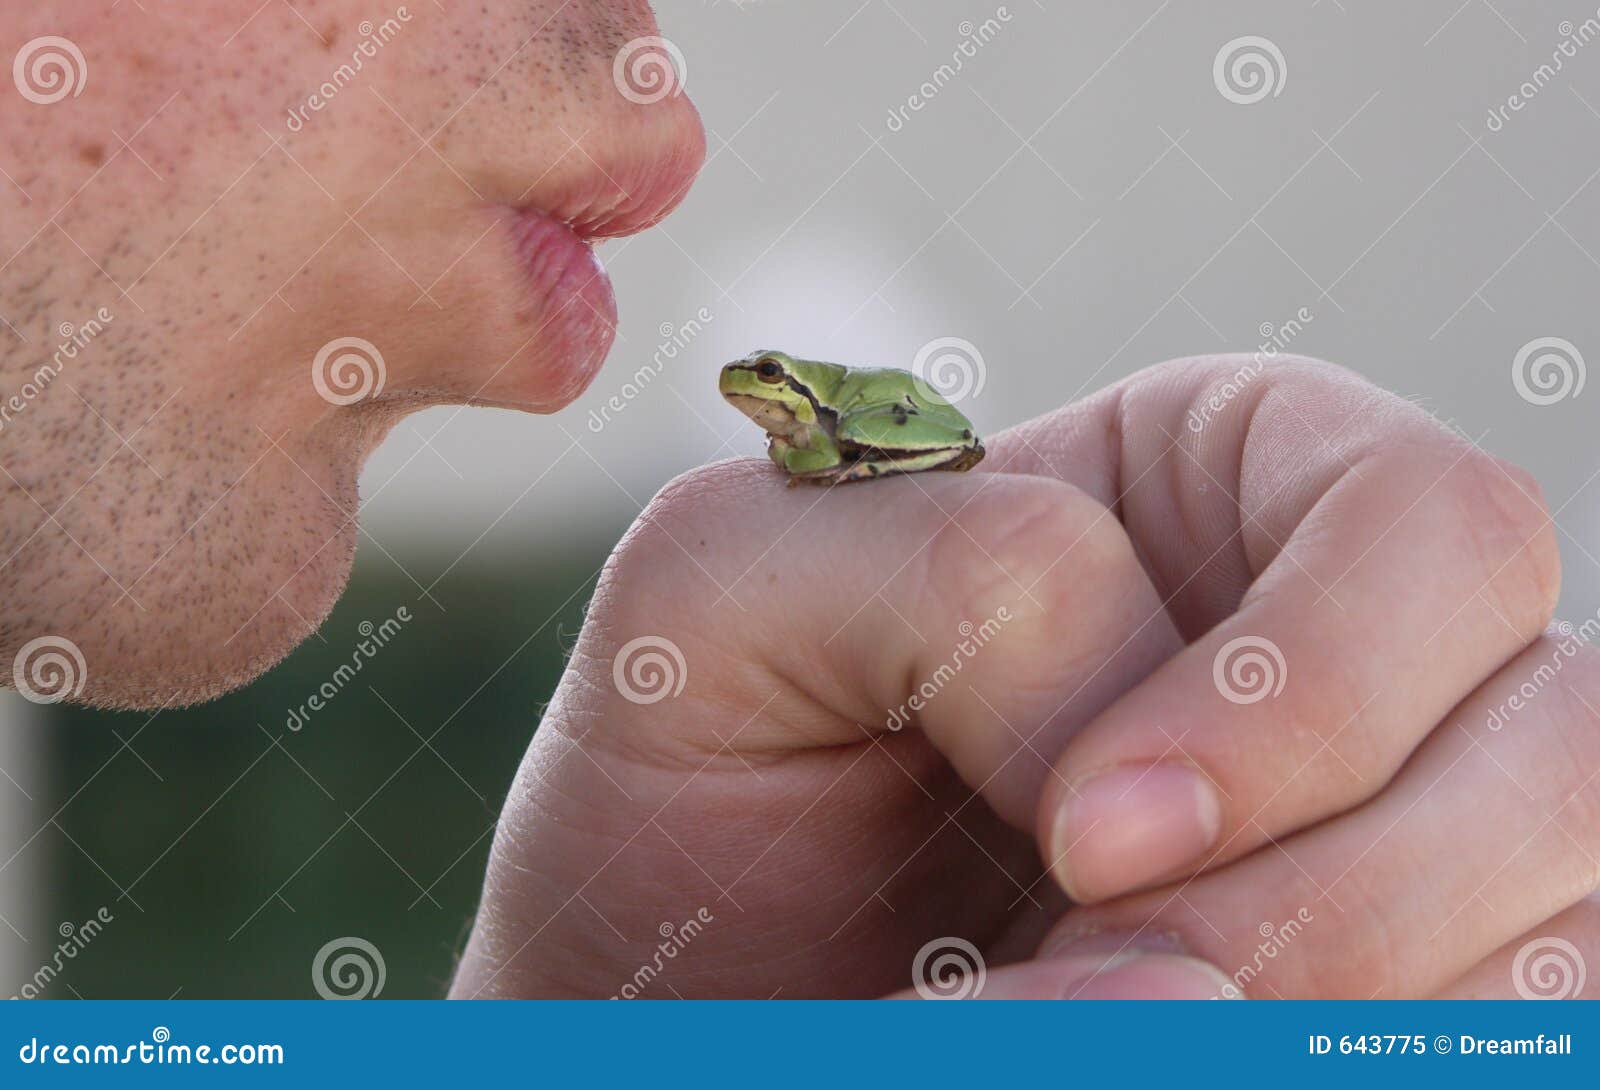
1139	975
1128	825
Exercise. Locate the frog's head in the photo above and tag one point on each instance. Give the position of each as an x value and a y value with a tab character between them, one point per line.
763	386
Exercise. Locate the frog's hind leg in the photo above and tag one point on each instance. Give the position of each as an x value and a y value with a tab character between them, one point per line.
958	460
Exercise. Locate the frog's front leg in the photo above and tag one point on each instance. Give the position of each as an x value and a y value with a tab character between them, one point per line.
817	457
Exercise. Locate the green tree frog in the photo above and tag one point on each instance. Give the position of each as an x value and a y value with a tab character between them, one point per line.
826	423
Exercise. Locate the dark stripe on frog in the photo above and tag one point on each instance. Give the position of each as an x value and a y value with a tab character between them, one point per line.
804	391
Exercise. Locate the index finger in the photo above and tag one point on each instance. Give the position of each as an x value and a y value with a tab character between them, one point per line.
1349	570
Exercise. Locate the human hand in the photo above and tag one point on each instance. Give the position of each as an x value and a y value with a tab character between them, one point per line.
828	849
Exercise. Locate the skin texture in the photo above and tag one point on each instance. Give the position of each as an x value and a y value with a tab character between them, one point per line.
829	838
228	249
179	501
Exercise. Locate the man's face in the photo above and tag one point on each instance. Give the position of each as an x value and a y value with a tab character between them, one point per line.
239	242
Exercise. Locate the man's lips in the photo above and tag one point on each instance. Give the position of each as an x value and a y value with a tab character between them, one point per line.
622	198
574	308
580	199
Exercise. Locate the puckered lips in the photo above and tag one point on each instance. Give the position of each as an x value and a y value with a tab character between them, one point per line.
554	229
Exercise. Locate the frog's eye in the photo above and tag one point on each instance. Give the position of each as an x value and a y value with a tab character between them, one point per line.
769	370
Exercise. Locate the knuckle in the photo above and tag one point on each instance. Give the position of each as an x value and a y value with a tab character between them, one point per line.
669	543
1029	546
1504	512
685	508
1221	385
1370	952
1576	724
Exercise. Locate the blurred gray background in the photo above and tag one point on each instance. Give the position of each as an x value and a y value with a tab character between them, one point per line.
1079	202
1081	199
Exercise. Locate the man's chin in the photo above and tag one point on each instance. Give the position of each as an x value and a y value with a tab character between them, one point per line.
204	655
186	598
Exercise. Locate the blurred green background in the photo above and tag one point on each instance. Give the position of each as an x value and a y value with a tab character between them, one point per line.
229	849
